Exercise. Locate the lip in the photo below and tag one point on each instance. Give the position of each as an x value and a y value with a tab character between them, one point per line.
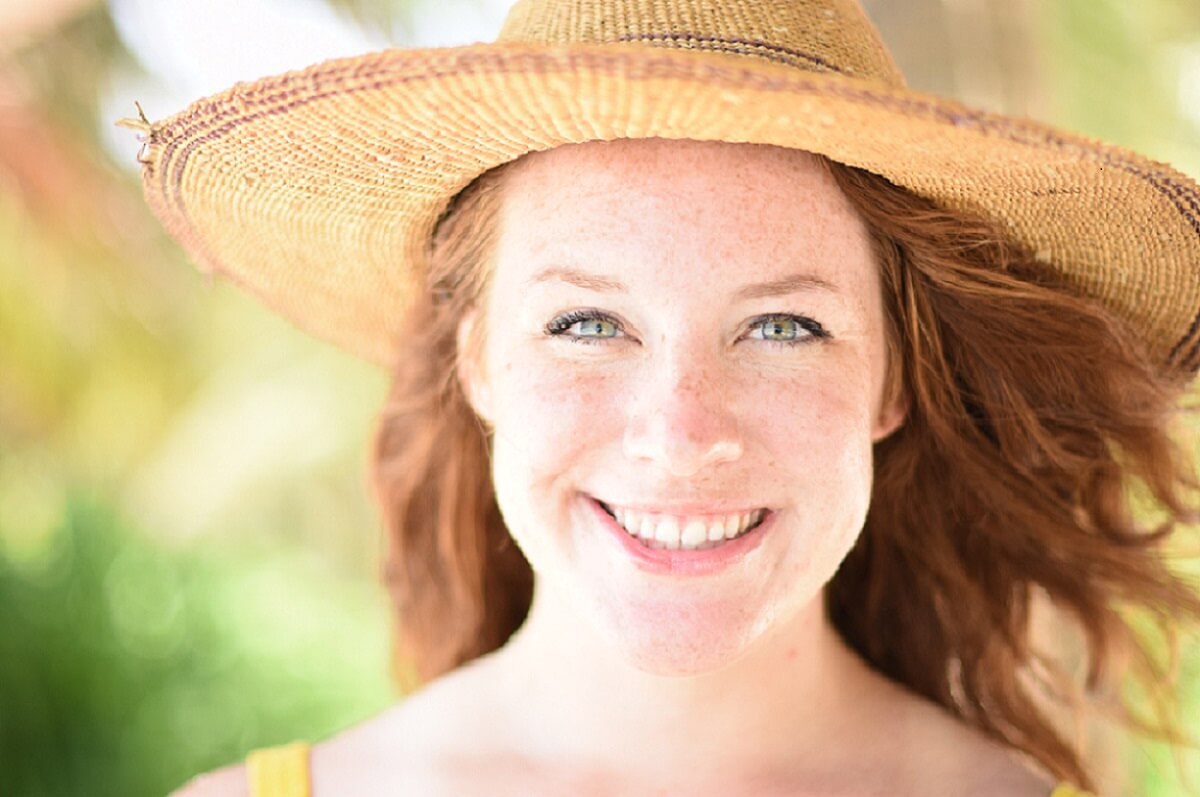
664	561
693	509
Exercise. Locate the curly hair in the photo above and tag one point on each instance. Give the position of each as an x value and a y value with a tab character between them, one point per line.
1033	413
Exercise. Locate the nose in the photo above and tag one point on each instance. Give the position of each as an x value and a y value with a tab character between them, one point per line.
683	417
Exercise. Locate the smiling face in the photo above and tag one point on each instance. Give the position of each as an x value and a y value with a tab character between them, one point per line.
682	343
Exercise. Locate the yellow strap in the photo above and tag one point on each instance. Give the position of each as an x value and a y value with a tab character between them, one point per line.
281	771
1065	790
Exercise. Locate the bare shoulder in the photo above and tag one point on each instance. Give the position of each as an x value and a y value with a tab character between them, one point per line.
998	771
968	762
388	752
925	749
408	747
225	782
1000	775
447	709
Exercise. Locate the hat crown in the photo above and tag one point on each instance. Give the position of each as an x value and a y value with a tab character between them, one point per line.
813	35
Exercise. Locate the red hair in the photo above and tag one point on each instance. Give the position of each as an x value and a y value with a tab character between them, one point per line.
1032	413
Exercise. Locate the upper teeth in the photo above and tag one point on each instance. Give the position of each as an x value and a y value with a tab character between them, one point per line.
675	531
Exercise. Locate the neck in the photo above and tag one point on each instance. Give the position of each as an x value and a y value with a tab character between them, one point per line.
574	699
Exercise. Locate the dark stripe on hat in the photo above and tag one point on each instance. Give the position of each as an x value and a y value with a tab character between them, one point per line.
774	52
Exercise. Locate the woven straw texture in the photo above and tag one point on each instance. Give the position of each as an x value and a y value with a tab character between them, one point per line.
318	190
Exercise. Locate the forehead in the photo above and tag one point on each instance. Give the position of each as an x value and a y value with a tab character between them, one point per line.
691	200
695	159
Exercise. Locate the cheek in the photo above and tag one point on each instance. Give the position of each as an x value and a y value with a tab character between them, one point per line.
550	427
816	418
819	441
551	412
551	424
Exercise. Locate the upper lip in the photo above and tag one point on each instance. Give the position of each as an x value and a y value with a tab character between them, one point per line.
692	508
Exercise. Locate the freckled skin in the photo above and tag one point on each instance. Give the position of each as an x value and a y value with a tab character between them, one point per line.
682	406
620	682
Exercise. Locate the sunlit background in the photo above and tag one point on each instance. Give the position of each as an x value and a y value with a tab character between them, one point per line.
187	547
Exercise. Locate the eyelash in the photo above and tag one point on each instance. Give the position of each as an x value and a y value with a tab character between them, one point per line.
815	331
559	326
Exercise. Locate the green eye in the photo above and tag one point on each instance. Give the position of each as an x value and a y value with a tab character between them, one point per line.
597	328
781	329
786	329
585	326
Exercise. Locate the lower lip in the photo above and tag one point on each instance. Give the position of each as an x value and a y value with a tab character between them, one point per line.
680	562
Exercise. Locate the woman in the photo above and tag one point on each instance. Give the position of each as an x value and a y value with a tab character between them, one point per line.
746	403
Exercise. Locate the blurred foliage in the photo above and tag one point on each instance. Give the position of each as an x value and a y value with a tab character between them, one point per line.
183	518
187	548
1123	71
380	15
126	666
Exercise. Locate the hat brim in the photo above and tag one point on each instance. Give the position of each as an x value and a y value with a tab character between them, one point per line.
318	190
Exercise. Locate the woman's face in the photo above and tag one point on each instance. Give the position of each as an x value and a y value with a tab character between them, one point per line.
681	340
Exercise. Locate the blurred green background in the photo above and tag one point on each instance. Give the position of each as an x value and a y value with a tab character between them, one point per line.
187	547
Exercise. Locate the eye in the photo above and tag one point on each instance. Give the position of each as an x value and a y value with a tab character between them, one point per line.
785	328
585	326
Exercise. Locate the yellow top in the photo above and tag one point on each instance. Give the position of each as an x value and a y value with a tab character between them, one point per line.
283	772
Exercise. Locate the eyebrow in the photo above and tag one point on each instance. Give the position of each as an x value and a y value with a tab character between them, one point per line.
793	283
592	282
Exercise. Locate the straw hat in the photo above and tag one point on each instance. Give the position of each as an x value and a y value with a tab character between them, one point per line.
318	189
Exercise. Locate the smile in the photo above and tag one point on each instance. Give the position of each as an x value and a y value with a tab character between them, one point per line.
683	532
